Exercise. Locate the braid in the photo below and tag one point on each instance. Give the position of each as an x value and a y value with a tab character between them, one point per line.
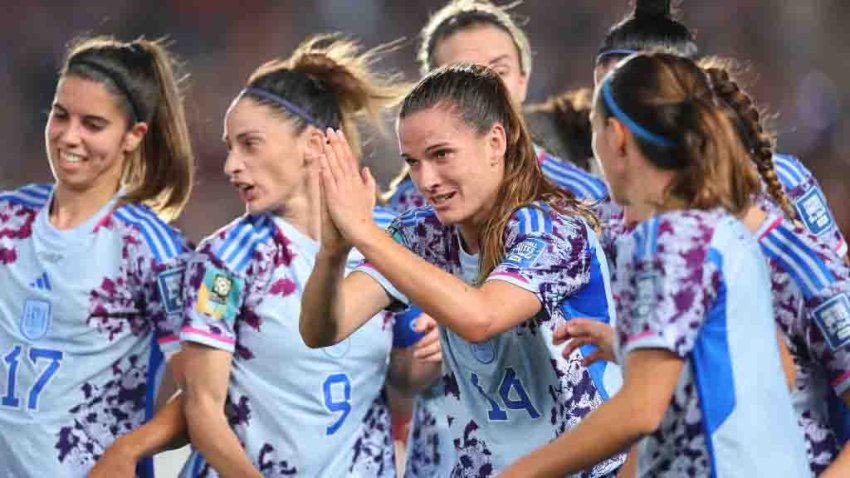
757	141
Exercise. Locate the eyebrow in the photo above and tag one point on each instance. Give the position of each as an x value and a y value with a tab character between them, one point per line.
89	117
242	135
499	59
433	147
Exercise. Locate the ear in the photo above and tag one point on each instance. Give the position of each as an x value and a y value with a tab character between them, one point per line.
314	145
619	138
498	143
134	137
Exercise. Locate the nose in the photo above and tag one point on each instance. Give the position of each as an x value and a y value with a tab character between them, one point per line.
426	177
68	134
233	164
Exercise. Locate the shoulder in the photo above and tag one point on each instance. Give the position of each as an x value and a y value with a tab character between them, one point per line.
383	217
540	219
790	170
234	244
797	251
685	232
31	196
569	176
164	241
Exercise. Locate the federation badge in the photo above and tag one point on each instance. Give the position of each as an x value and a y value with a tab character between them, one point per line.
35	320
219	295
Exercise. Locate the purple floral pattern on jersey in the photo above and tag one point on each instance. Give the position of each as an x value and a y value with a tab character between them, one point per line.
473	456
423	458
15	224
664	295
269	467
107	411
547	253
816	364
406	197
373	451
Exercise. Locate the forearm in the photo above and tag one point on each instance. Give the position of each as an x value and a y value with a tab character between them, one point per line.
165	431
322	307
609	430
213	437
450	301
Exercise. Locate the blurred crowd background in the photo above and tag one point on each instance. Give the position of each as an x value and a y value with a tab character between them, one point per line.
799	69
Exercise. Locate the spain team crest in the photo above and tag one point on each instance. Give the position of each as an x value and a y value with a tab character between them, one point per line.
35	320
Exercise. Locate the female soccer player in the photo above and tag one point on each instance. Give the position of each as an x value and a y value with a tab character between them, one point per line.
498	258
478	32
696	375
257	400
91	274
651	27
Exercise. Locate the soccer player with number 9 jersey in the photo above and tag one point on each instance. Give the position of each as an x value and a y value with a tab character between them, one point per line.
258	401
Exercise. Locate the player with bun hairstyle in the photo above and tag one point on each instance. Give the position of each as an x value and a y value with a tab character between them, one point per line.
687	275
257	400
91	271
652	27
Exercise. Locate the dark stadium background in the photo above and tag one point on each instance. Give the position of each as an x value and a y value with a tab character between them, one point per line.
797	51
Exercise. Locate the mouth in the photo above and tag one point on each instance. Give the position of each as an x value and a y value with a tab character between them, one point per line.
246	191
68	157
438	200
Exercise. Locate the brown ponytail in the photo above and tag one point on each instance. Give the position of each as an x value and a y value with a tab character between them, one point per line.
331	80
562	124
140	74
756	140
670	96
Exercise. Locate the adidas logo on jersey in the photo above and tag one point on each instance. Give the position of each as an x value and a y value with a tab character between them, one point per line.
42	283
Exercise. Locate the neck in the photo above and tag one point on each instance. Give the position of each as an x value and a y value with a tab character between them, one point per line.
648	196
304	213
71	207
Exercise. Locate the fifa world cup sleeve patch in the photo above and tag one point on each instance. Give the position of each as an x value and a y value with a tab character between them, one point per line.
526	253
218	296
170	289
833	319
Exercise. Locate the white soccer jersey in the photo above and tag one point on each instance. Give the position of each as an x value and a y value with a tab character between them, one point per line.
81	312
513	393
296	410
695	283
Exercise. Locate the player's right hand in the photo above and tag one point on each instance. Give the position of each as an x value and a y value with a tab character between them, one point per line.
579	331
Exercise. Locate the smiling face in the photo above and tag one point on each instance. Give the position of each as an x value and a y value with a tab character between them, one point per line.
266	159
456	168
489	46
87	136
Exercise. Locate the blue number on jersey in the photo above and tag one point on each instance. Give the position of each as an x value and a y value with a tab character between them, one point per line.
343	406
12	359
510	382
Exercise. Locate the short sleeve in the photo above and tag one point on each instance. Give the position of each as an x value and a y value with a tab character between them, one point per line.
394	230
164	299
212	299
829	336
668	284
546	254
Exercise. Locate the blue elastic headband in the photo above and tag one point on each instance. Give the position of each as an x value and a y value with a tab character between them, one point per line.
635	128
616	51
286	104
